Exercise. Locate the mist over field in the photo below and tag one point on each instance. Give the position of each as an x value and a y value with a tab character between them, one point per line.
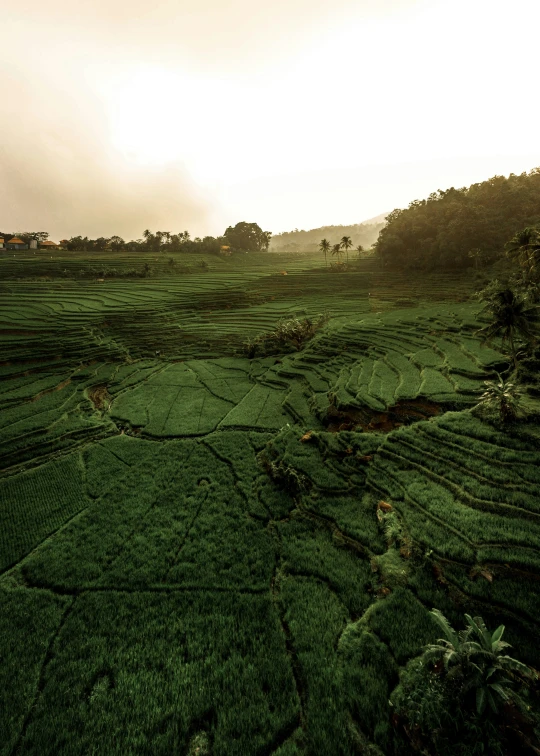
200	115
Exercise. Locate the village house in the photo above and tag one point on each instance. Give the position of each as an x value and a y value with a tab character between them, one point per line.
16	243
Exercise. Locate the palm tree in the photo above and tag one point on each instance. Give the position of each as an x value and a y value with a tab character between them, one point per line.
324	246
476	255
512	318
360	250
346	243
477	659
336	250
525	248
502	395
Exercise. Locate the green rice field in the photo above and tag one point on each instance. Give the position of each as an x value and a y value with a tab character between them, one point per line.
192	554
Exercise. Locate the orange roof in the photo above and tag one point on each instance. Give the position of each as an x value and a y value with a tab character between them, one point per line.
16	240
1	240
49	244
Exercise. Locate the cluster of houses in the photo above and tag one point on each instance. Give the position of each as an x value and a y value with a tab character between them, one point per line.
16	243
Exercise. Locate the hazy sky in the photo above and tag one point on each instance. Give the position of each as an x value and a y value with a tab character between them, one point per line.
121	115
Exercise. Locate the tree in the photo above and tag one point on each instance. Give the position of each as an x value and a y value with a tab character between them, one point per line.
503	396
100	243
512	317
439	232
267	239
336	252
360	250
524	247
346	243
247	237
26	236
78	244
150	240
324	246
116	243
476	255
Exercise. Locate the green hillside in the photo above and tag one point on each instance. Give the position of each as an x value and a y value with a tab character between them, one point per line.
458	228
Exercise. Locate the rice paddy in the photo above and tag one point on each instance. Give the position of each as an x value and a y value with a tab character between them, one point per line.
194	546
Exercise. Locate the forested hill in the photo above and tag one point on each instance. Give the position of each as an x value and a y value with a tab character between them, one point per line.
360	233
454	227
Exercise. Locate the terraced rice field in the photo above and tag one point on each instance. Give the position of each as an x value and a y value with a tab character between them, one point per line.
192	552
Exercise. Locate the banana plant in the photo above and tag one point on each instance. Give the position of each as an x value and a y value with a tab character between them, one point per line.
478	659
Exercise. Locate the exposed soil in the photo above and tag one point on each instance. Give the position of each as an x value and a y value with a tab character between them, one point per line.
402	413
99	396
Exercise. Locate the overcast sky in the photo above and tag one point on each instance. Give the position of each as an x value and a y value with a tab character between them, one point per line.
121	115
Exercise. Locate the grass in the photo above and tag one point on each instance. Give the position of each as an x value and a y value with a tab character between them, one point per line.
236	555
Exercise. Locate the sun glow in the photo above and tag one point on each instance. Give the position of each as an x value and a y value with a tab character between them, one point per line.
159	116
313	133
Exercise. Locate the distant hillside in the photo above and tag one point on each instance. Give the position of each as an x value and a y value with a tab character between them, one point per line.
305	241
377	219
453	228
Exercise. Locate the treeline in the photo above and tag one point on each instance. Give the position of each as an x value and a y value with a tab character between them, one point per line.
25	236
244	237
364	234
464	227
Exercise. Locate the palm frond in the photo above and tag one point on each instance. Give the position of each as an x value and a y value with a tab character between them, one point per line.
450	634
510	664
480	630
481	700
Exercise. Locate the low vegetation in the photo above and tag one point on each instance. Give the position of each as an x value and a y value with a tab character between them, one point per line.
213	547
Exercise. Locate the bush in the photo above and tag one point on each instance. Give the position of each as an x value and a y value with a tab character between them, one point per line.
290	334
463	695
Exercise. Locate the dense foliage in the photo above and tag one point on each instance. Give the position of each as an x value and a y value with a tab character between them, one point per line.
456	228
247	237
466	695
513	319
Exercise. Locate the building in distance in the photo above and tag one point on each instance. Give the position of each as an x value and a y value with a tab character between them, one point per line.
16	243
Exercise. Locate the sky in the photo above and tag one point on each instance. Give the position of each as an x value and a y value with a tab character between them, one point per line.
117	115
